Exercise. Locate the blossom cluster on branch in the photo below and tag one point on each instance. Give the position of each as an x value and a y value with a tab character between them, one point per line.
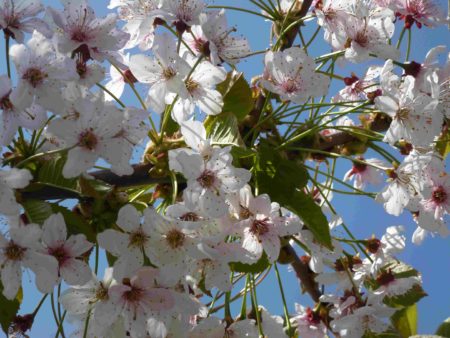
236	180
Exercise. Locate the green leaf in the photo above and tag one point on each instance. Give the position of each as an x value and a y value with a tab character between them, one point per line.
75	224
223	129
261	265
237	95
443	144
405	321
283	180
37	211
51	174
304	206
9	309
409	298
444	329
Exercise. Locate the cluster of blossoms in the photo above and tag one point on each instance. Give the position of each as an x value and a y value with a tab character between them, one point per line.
197	215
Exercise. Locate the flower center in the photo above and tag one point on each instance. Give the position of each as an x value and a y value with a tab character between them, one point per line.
101	293
14	252
361	38
169	73
373	245
207	179
175	238
359	167
245	213
134	295
439	195
137	239
260	227
5	103
312	317
289	86
60	253
87	139
385	277
79	36
190	217
192	85
34	76
403	114
202	47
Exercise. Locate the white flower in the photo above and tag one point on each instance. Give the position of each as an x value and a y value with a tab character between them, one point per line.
14	115
91	134
404	182
18	17
81	32
366	29
172	243
42	72
420	12
67	251
272	326
201	91
128	246
9	180
362	174
94	297
437	201
24	248
213	39
140	16
357	88
212	327
366	318
165	73
183	13
291	74
194	134
147	305
308	323
212	180
263	227
414	115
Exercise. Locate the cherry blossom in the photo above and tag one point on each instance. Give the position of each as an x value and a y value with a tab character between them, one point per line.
92	298
81	32
308	323
362	173
10	180
200	85
165	73
213	39
42	72
66	250
23	249
19	16
291	75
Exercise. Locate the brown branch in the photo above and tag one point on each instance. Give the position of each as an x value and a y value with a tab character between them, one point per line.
303	272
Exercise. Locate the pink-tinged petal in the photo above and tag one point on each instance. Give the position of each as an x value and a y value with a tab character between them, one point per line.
106	313
27	236
145	69
128	263
77	301
213	204
128	218
160	299
194	134
54	231
260	205
78	245
45	268
17	178
387	105
113	241
78	161
271	245
75	272
252	244
11	276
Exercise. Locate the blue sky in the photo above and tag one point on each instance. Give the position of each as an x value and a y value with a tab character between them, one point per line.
364	216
